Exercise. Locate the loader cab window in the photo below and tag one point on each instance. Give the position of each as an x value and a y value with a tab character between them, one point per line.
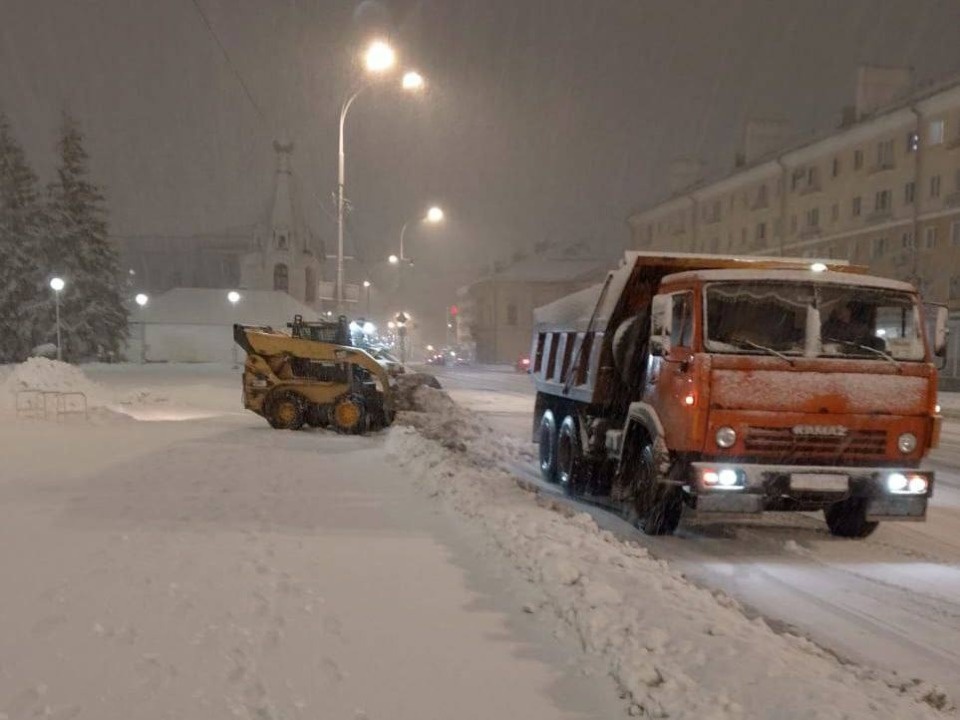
681	324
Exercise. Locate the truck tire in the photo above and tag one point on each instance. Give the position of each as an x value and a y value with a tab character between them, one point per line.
285	410
658	506
848	518
573	469
548	447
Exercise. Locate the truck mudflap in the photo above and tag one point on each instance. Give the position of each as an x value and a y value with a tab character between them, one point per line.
745	490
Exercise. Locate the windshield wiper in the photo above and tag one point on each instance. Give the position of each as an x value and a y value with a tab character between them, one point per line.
885	355
766	349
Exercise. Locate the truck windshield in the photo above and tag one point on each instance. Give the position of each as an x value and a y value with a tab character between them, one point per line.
812	319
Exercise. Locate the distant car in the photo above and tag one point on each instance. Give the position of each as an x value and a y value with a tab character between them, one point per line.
436	359
523	364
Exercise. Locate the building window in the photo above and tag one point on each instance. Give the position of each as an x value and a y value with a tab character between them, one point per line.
813	217
906	241
882	201
855	210
835	212
935	186
857	159
909	192
836	167
955	286
796	178
281	280
310	285
761	231
885	154
813	177
281	241
511	314
930	238
955	233
935	135
879	248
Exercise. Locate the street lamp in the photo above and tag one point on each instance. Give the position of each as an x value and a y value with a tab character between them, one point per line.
234	297
393	259
367	284
378	59
142	299
57	284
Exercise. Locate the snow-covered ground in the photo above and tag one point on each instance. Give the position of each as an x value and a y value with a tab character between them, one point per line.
891	601
204	565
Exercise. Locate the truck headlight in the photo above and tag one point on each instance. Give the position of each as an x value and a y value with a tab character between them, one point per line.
907	443
726	437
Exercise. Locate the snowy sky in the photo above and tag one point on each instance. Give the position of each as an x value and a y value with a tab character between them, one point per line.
544	118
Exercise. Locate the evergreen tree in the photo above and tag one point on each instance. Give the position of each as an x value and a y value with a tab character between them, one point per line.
93	317
22	296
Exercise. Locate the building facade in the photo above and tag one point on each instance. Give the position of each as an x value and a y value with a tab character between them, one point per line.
496	312
882	191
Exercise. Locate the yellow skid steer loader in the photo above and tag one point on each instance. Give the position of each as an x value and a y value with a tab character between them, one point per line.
313	376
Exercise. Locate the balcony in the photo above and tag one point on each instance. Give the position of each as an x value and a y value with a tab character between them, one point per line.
881	167
878	216
810	188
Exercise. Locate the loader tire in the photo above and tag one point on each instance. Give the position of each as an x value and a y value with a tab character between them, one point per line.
285	410
349	415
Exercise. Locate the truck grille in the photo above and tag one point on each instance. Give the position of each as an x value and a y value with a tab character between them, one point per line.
781	441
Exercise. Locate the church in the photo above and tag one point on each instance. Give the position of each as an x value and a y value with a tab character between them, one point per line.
276	251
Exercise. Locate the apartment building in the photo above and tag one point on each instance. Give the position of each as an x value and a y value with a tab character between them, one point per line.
883	191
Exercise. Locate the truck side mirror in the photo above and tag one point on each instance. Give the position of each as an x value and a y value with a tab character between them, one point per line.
941	332
661	316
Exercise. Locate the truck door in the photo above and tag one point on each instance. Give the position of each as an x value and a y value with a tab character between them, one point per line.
670	380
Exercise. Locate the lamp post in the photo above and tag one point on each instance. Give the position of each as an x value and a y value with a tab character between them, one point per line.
378	59
366	285
57	284
433	216
234	297
142	299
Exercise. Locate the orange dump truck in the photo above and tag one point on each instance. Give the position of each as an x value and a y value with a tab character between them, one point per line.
736	386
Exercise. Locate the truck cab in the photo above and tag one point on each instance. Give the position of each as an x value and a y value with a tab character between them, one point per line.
745	389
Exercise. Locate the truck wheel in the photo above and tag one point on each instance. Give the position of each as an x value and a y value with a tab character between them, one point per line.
548	447
285	411
658	506
572	467
848	518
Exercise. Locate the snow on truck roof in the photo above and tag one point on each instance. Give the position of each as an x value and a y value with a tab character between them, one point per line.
573	312
790	276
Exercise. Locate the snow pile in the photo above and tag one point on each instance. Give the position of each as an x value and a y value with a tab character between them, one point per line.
39	373
676	650
435	414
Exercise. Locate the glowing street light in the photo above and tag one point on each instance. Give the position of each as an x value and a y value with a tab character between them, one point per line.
233	296
379	57
141	299
393	259
412	80
367	285
57	284
434	215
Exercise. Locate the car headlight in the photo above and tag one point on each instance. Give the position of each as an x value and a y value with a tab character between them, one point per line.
907	443
726	437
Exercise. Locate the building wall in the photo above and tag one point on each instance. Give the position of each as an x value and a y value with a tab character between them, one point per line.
501	315
811	196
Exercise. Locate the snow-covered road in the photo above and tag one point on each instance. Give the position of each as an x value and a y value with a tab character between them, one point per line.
892	600
206	566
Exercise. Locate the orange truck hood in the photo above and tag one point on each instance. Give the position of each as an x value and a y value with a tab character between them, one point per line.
821	386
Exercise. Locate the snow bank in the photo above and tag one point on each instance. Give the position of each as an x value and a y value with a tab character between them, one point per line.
39	373
676	650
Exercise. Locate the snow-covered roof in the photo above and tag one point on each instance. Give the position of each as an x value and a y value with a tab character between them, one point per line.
208	306
791	276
